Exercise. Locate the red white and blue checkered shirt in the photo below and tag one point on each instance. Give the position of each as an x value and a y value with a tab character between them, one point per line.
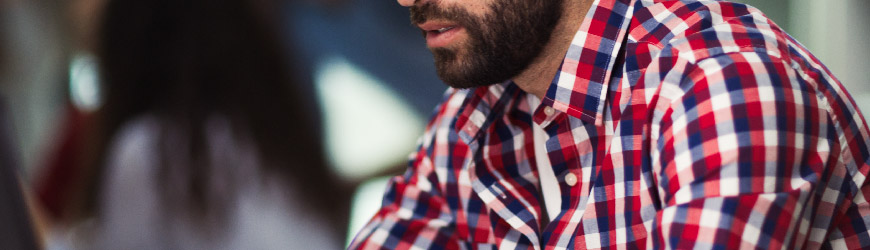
688	124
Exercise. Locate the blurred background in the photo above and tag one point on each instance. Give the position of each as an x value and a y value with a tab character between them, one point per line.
366	78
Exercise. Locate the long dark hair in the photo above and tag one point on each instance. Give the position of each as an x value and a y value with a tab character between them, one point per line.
184	60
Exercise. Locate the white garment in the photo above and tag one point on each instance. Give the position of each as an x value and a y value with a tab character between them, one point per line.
262	213
549	184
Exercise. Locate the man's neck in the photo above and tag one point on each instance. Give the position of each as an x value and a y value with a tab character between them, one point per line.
537	77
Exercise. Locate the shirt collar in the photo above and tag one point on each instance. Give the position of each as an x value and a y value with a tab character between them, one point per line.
482	103
579	88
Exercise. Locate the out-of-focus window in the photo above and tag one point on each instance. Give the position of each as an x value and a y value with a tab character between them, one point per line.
835	31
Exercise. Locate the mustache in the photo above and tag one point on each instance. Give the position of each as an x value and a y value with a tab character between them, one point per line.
421	13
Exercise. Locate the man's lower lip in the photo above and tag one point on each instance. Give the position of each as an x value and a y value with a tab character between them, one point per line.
436	40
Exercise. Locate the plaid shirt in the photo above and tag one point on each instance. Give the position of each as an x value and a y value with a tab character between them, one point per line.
688	124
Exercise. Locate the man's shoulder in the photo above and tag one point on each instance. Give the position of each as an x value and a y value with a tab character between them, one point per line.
443	117
698	29
450	105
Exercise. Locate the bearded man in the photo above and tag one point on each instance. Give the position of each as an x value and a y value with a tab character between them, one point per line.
626	124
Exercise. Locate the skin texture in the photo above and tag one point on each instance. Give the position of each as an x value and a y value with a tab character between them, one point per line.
501	39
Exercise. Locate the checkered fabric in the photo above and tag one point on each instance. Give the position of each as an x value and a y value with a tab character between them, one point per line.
689	124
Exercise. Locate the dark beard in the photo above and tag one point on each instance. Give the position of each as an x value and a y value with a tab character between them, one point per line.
500	45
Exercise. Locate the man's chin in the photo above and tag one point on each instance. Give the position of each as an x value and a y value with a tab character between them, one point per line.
468	75
467	81
466	86
459	71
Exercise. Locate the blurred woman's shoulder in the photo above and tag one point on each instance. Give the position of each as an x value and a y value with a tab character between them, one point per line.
259	213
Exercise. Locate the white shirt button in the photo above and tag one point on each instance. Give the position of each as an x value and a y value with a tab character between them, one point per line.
549	111
571	179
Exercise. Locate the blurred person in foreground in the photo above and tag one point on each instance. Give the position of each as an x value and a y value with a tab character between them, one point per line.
627	124
18	230
202	142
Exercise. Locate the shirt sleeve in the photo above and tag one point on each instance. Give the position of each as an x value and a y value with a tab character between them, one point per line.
415	213
753	153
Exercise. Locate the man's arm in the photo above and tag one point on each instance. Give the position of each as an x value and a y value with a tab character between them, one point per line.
415	212
754	153
410	216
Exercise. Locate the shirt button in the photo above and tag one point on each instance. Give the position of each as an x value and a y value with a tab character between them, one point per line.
549	111
571	179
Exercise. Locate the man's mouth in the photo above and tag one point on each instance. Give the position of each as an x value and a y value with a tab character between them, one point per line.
442	30
439	34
